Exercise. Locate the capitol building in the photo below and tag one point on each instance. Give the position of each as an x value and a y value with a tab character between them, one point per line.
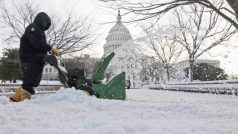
127	57
117	36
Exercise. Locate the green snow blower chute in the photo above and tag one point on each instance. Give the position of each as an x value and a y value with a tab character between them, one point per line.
113	89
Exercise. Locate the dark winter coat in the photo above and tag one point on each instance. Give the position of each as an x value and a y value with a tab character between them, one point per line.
33	46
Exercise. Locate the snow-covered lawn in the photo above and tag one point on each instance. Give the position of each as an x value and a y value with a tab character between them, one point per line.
144	112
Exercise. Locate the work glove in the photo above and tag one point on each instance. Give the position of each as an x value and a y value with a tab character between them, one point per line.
55	51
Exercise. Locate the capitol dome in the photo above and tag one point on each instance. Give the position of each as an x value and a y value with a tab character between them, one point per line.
118	35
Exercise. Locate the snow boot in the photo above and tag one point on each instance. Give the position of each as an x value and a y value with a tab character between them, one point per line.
20	95
16	97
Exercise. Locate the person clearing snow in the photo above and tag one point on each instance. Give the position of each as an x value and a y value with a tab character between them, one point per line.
33	48
34	53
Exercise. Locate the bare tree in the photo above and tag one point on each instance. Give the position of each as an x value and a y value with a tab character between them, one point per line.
200	31
193	43
166	49
154	9
151	70
16	21
69	35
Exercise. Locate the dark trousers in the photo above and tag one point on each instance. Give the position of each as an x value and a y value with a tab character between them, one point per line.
31	75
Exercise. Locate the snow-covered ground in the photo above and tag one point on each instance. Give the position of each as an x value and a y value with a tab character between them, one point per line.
43	82
144	112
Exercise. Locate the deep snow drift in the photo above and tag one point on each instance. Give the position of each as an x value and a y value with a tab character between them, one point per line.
144	112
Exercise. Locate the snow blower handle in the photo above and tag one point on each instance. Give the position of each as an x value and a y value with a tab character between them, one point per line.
57	62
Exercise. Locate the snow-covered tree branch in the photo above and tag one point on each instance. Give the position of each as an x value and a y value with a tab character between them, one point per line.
153	10
166	49
200	31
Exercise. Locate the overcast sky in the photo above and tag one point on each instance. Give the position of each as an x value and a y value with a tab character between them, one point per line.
100	16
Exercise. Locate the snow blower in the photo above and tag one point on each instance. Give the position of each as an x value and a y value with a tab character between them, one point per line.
113	89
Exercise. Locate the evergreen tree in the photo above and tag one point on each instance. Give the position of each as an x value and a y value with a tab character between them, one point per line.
207	72
10	65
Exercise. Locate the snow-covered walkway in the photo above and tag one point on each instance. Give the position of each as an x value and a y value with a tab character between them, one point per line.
144	112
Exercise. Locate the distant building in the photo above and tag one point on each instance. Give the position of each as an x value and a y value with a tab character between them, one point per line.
118	35
185	63
127	59
49	73
179	73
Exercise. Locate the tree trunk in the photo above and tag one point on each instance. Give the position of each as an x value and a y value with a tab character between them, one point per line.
191	68
167	72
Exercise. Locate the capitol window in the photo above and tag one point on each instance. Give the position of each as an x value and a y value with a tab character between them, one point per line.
46	70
